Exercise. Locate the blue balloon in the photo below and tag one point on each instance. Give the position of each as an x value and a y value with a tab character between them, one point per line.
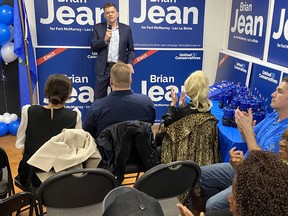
3	129
6	14
13	127
4	34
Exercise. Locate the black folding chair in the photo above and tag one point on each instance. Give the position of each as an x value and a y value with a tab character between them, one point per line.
6	184
16	202
166	181
74	189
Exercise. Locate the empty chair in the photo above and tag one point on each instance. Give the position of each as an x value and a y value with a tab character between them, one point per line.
16	202
170	180
75	192
6	183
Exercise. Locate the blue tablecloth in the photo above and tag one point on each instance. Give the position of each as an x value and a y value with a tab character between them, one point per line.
228	136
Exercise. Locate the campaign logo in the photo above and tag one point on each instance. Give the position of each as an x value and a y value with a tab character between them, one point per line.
269	76
240	67
188	56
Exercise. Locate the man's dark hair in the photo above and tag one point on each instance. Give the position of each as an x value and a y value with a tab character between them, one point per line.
107	5
262	185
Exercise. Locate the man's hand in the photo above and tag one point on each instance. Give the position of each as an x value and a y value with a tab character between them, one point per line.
236	157
244	120
108	36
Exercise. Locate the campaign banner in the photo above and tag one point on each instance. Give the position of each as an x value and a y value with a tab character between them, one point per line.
78	65
167	24
232	69
285	74
248	27
67	23
278	46
263	82
154	78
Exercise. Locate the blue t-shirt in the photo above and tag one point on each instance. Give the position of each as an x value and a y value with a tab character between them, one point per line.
269	132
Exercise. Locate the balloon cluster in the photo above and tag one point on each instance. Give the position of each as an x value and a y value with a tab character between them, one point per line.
6	34
9	123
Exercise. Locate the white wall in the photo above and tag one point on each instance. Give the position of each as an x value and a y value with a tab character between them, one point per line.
217	19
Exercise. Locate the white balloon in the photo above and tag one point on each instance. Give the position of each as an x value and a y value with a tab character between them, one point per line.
7	120
7	52
13	117
11	29
1	118
6	114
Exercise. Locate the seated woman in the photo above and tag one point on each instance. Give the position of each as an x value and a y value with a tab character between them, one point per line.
190	131
40	123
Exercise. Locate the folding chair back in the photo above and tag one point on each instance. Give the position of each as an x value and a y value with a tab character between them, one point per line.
75	188
16	202
169	180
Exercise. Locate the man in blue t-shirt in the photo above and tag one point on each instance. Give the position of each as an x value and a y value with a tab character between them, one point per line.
216	179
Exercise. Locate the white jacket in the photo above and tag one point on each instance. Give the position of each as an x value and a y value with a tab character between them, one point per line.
67	150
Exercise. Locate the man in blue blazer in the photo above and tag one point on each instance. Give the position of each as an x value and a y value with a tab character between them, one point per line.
113	42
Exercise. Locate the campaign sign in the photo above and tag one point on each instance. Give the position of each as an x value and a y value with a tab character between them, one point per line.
67	23
278	47
248	27
285	74
232	69
167	24
78	65
263	82
155	78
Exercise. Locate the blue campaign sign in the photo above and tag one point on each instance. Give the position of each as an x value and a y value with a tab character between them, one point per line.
248	27
155	78
67	23
167	24
81	75
278	47
263	82
232	69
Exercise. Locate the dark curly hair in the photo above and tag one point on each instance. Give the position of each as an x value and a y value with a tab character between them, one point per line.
262	185
58	88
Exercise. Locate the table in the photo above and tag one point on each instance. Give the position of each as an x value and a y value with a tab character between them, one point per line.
228	136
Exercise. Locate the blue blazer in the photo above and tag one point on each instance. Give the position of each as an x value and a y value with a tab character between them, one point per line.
126	46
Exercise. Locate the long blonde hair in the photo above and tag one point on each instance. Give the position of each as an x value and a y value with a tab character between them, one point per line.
197	88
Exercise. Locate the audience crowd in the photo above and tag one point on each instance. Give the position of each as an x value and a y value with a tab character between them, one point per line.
252	183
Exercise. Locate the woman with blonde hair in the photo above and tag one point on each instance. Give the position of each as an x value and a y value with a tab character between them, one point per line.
190	131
